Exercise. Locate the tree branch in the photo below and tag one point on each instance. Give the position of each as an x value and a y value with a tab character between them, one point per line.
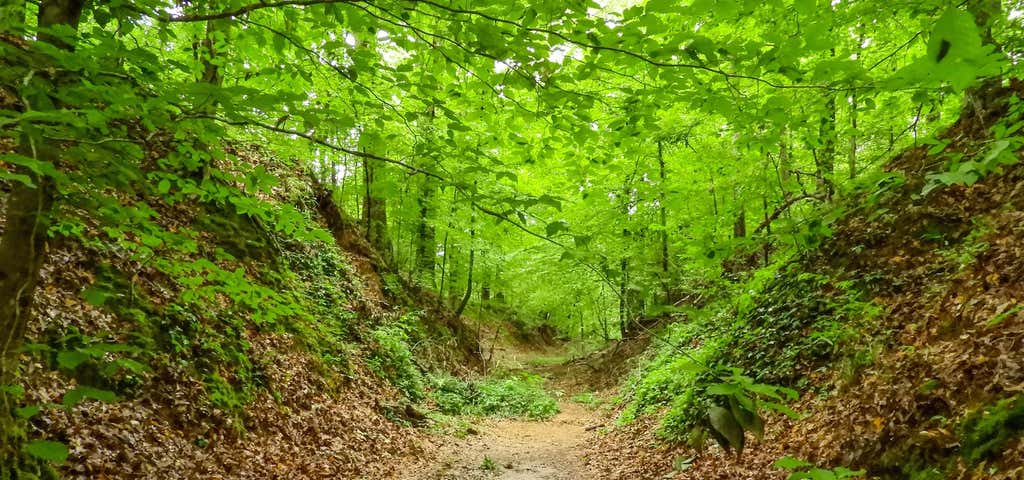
246	9
629	53
790	201
323	143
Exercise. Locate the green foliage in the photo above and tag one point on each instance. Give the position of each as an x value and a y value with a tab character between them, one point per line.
807	471
393	361
588	399
985	432
488	465
994	155
668	131
967	250
520	395
48	450
773	326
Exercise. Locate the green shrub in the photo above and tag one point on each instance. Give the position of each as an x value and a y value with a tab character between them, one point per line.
515	396
776	325
392	360
985	432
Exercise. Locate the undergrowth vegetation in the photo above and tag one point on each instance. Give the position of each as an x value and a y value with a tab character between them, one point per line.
217	204
776	325
511	395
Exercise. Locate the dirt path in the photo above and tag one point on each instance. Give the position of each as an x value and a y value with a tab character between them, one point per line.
518	450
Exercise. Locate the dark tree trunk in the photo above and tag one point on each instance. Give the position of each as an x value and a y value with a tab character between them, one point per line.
472	257
739	227
852	156
375	214
426	249
469	284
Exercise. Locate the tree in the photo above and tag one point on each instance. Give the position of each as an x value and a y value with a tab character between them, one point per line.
28	216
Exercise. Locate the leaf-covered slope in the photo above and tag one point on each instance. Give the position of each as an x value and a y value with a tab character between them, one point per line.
242	356
929	387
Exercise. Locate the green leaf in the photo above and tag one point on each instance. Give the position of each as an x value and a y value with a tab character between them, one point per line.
790	463
50	451
955	35
554	228
71	359
75	396
727	427
27	411
821	474
724	389
17	177
778	407
805	7
747	418
96	295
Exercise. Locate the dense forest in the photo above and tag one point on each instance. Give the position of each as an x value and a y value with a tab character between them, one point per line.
609	239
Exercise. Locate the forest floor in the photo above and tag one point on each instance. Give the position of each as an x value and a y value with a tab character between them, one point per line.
514	450
519	449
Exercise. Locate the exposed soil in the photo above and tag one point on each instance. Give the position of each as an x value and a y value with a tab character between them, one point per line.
518	450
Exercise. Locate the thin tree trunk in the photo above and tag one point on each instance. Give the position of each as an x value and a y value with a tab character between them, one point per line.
469	284
485	289
623	300
826	156
444	266
767	241
472	257
825	159
664	225
852	158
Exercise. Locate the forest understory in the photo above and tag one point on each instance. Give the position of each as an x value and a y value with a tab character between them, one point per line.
451	239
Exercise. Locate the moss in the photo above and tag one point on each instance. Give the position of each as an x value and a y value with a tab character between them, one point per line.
985	432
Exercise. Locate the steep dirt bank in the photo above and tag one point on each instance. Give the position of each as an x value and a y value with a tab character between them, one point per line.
919	393
198	382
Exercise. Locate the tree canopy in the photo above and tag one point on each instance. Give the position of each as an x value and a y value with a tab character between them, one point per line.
592	163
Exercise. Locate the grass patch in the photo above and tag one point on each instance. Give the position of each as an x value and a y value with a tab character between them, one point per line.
589	399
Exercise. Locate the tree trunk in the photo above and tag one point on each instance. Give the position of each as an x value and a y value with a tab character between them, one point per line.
23	245
469	284
624	299
444	266
768	231
785	164
984	12
852	158
825	158
485	289
666	290
426	249
739	227
212	71
472	257
375	214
